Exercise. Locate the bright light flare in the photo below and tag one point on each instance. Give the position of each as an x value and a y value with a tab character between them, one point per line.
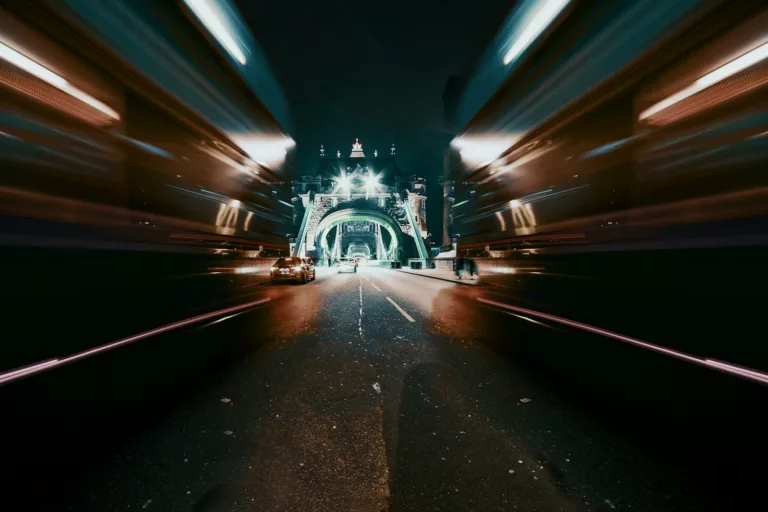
372	181
208	17
267	151
371	184
543	16
33	68
344	182
515	203
735	66
481	151
234	203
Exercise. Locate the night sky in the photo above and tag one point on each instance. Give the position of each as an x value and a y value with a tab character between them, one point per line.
373	70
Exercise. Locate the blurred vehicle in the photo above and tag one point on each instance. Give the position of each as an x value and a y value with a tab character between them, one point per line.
309	263
346	265
292	269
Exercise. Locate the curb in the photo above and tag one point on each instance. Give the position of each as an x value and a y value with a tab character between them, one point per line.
454	281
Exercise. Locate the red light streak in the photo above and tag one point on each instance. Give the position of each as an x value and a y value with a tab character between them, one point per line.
54	363
708	363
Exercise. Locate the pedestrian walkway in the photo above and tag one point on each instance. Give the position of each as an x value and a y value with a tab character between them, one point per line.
444	275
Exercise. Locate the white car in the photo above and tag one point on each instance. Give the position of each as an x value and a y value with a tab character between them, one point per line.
346	265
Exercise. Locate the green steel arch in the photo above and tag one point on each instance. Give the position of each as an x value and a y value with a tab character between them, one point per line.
358	214
359	249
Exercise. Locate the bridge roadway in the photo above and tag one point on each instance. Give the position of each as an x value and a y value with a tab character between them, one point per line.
381	390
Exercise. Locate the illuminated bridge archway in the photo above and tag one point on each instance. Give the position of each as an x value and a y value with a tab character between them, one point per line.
372	201
339	217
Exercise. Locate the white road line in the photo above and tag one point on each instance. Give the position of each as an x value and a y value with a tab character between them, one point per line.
374	285
360	320
46	365
401	310
746	373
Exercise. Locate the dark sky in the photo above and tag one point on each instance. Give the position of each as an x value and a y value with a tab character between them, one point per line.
374	70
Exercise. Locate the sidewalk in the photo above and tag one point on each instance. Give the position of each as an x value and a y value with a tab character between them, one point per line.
443	275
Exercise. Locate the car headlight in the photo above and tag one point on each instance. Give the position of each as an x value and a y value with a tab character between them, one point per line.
273	269
297	268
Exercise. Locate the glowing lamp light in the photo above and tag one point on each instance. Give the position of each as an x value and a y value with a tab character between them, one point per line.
207	15
344	181
48	76
515	203
545	13
735	66
234	203
371	181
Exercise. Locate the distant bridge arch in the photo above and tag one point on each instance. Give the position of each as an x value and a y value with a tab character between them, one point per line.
339	217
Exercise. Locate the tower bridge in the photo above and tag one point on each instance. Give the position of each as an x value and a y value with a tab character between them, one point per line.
360	206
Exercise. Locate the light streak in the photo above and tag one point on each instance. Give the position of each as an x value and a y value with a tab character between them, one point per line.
481	151
748	59
710	363
216	27
547	12
54	363
502	222
33	68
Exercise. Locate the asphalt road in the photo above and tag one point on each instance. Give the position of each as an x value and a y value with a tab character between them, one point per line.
378	390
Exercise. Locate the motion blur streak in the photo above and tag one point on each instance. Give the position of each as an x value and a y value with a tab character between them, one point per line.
541	16
566	255
205	12
720	74
725	367
7	376
53	79
481	151
47	365
31	66
266	151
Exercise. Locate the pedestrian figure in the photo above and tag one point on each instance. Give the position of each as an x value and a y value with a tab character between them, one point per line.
459	267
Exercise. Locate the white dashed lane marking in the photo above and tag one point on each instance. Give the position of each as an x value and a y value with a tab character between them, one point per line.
401	310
